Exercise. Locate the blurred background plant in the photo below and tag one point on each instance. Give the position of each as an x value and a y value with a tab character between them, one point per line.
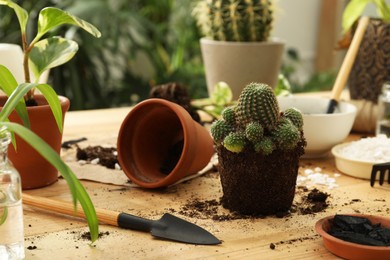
144	43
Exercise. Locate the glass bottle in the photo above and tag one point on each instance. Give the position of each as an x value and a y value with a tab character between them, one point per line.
383	122
11	210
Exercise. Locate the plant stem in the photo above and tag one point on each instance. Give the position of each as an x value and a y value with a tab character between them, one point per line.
26	51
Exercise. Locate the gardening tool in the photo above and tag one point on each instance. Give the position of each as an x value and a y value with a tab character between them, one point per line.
168	227
346	66
382	168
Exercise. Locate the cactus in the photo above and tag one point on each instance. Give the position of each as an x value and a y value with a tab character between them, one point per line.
234	142
295	116
220	129
228	115
286	135
235	20
254	132
265	146
256	121
257	103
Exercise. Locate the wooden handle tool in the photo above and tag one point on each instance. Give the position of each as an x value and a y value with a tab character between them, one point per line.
348	61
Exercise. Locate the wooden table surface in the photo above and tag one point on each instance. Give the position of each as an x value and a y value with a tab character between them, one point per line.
52	236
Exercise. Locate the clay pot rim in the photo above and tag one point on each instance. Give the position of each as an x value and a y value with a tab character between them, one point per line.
345	246
42	103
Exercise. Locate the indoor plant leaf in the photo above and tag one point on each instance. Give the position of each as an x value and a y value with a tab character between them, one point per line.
50	53
20	13
77	190
8	84
51	17
352	12
53	101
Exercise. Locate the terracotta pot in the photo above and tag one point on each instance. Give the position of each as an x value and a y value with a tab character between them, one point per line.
159	143
34	170
241	63
256	184
349	250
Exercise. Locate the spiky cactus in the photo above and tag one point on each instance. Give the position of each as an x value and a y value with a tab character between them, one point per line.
235	20
257	103
257	121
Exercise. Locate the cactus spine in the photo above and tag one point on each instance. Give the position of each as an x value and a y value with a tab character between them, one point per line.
235	20
257	121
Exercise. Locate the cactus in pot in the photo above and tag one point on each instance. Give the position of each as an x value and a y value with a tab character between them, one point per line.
258	149
237	40
238	21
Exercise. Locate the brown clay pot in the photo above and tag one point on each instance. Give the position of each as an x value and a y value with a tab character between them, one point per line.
34	170
159	144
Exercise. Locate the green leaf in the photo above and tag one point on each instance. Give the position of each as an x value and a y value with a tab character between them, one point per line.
76	188
222	94
352	12
50	53
20	13
53	101
4	215
8	84
51	17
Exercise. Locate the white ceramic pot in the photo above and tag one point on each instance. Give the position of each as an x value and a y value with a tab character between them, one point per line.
11	56
240	63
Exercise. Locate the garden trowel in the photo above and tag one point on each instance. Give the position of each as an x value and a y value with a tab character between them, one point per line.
167	227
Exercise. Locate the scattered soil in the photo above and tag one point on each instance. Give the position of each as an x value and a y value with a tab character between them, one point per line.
107	155
87	235
306	202
32	247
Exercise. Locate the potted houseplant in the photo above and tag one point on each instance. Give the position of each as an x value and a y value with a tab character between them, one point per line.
371	67
45	111
236	48
41	55
258	151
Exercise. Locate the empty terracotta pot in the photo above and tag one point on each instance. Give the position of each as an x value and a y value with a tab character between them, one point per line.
159	144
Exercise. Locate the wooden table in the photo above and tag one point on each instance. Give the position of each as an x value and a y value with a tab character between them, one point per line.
60	237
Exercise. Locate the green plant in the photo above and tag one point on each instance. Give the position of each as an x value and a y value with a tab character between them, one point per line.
39	56
355	9
258	122
235	20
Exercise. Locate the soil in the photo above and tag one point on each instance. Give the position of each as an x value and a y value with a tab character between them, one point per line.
87	235
107	155
176	93
270	192
306	202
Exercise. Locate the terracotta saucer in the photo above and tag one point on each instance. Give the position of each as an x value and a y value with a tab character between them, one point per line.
350	250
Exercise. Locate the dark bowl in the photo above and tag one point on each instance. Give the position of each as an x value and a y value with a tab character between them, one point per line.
350	250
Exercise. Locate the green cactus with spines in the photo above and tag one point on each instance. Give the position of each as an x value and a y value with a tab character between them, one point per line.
228	115
235	142
258	103
295	117
286	135
256	120
254	132
264	146
235	20
220	129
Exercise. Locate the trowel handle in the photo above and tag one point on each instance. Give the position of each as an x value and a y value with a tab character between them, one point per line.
106	216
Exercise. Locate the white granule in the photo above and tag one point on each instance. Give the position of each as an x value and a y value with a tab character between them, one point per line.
373	149
95	161
314	177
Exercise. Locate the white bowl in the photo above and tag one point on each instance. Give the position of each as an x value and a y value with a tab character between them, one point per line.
322	131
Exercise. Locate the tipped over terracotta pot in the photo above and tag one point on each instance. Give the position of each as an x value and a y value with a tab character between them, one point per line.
159	144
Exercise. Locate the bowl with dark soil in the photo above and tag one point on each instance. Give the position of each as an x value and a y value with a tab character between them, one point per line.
258	149
356	236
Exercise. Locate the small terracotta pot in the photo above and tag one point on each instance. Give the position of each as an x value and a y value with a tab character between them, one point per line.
159	144
34	170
